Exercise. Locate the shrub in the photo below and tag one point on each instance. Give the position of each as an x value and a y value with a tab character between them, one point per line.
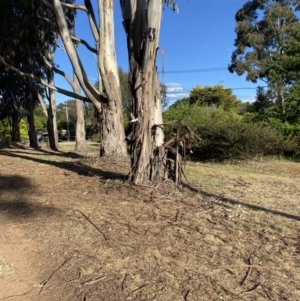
239	140
226	134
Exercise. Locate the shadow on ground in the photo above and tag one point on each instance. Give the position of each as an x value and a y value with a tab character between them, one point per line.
237	202
78	167
40	150
14	200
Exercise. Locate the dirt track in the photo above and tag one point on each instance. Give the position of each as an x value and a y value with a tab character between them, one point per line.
70	229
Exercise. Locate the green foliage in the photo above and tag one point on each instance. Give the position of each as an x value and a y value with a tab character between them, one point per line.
172	5
40	120
63	125
292	105
287	129
263	107
262	28
267	33
125	88
4	130
216	95
239	140
286	65
23	130
234	133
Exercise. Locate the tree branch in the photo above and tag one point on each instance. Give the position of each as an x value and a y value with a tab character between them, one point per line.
85	84
85	44
43	82
56	70
49	5
74	6
92	19
39	97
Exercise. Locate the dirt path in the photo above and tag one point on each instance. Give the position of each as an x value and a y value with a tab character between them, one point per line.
70	229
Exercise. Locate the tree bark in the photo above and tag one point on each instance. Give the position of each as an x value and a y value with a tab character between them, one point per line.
51	120
142	25
113	133
30	120
15	126
108	103
80	145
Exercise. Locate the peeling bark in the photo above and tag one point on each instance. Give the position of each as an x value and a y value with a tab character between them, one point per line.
142	26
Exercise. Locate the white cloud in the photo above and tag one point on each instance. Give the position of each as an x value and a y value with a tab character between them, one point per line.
248	99
176	91
174	87
177	95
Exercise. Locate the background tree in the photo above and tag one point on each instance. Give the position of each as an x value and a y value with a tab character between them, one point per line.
262	29
226	134
217	95
108	101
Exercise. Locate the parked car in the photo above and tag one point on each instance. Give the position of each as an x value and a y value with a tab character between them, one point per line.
43	138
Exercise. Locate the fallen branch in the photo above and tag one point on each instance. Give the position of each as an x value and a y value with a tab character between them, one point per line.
43	284
88	219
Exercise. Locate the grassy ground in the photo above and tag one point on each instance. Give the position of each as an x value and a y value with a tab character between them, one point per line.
72	229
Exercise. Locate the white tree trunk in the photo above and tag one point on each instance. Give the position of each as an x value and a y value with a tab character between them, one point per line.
108	103
80	145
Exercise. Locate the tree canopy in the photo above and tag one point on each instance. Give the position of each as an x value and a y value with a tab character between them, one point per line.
216	95
263	29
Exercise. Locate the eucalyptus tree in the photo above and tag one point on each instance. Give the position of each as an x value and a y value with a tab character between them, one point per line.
107	101
142	22
262	28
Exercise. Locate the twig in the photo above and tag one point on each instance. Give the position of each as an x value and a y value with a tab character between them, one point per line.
88	219
186	295
137	289
176	215
94	280
251	289
123	281
206	211
248	272
43	284
257	266
28	293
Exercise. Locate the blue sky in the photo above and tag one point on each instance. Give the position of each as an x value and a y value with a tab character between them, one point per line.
195	48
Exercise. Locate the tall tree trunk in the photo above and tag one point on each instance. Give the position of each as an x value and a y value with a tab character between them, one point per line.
142	25
80	145
33	142
113	133
51	120
112	130
15	127
80	140
280	91
107	103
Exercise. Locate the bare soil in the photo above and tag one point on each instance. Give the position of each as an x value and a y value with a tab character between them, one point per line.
72	229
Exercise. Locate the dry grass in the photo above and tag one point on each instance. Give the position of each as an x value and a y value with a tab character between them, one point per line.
230	233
